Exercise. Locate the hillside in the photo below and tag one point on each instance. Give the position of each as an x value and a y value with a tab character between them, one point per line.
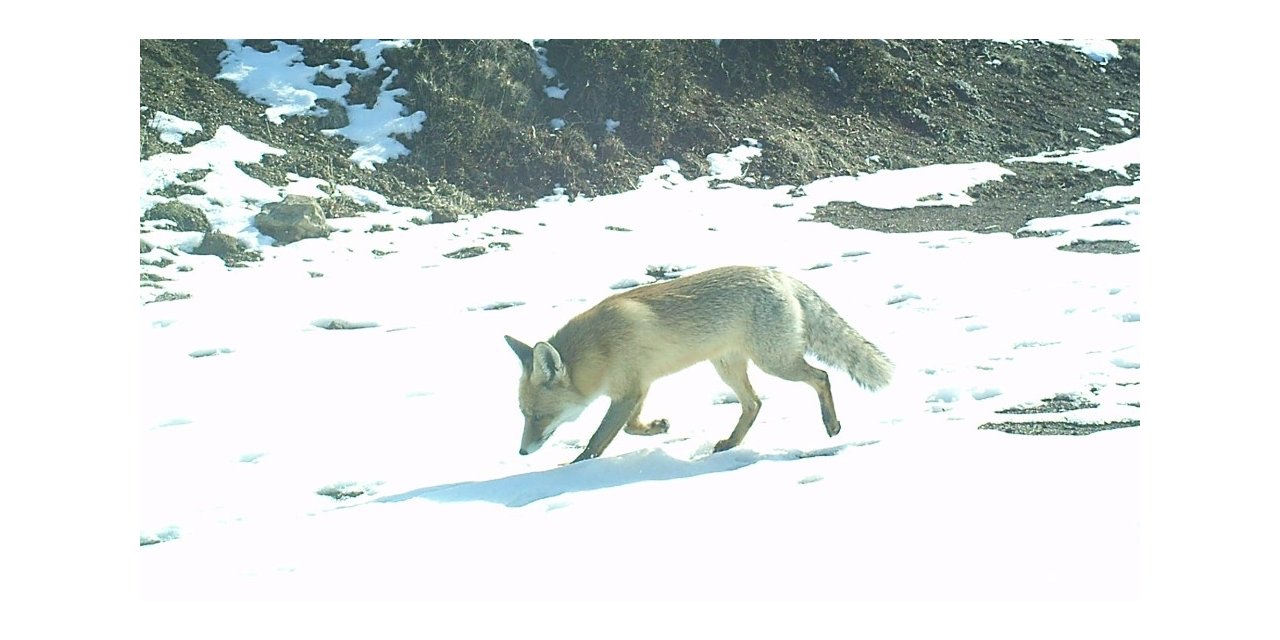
504	123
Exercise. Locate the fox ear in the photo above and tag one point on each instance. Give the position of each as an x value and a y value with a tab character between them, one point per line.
523	351
547	366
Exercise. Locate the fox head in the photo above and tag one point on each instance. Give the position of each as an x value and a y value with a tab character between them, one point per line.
547	398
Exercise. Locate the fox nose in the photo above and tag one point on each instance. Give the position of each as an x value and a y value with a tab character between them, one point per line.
523	452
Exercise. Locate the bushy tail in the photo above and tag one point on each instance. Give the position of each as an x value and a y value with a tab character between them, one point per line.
834	342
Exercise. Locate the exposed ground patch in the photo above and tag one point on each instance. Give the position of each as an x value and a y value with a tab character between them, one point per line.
1100	246
1060	403
1057	428
1034	191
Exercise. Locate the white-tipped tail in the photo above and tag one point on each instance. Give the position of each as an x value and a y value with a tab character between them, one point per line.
834	342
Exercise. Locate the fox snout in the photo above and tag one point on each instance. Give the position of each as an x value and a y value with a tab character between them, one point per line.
533	439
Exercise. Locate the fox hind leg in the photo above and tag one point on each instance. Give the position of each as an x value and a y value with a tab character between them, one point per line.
798	370
733	370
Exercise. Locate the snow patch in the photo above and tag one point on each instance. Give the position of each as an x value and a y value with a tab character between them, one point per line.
172	128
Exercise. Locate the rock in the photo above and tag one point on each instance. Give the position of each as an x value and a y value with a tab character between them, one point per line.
966	91
230	249
184	216
335	116
438	216
898	50
295	218
467	252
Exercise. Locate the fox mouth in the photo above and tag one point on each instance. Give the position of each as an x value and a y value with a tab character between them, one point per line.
528	448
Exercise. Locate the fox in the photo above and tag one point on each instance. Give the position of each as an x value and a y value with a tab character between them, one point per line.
729	315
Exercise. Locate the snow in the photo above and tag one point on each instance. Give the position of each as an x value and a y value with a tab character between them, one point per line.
728	166
230	197
172	128
557	92
281	80
1116	193
1122	114
1115	157
889	189
1101	51
337	423
374	128
372	50
278	78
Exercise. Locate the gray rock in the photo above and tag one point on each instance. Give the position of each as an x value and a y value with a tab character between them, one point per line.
295	218
438	216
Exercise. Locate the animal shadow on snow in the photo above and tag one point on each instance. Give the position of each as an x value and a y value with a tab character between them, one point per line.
651	465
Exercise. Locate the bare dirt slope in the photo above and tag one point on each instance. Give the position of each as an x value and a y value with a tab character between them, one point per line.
818	109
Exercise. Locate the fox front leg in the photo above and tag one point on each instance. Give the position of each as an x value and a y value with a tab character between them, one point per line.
636	428
654	428
620	411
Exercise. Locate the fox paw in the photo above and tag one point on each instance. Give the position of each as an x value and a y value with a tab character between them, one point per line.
657	427
833	429
723	445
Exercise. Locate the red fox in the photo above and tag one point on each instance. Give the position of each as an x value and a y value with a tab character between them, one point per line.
729	315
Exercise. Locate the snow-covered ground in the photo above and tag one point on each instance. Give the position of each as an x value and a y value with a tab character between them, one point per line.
252	410
284	458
